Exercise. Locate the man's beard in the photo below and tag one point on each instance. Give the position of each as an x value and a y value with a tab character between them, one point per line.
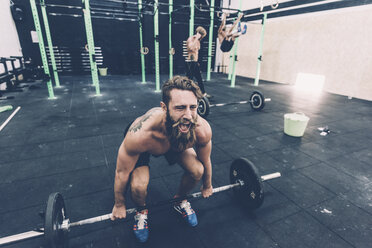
177	139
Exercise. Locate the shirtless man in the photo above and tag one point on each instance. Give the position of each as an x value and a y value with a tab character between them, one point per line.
227	38
192	64
176	131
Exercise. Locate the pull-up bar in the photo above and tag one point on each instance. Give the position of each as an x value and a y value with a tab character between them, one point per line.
289	8
200	7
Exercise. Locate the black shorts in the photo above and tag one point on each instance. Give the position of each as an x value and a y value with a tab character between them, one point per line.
144	158
226	45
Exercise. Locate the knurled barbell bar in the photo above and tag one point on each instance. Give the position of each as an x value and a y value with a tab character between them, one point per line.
245	182
256	100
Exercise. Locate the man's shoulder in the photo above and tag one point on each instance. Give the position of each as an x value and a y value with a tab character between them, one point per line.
146	132
191	38
141	141
203	131
142	127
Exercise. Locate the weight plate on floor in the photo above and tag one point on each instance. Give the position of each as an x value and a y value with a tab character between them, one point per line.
203	107
251	194
55	214
257	101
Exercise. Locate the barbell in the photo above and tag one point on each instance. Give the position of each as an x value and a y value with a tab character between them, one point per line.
245	183
256	101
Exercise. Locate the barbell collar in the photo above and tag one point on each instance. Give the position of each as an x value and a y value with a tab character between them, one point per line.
66	225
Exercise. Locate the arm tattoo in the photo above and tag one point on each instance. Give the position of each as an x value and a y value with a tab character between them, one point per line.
138	126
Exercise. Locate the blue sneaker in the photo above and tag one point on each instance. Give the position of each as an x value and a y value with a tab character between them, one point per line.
244	29
140	227
188	214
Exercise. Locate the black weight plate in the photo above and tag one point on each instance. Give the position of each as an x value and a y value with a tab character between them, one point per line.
55	213
257	101
203	107
251	194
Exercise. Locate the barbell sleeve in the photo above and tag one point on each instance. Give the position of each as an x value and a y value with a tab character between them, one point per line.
270	176
20	237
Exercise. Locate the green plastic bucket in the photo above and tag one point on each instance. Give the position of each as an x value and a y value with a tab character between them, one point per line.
102	71
6	108
295	124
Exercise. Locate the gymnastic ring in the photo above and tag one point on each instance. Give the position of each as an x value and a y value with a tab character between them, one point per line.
86	47
274	6
144	50
172	51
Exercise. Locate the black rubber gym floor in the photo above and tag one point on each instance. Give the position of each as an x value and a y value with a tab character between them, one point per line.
69	145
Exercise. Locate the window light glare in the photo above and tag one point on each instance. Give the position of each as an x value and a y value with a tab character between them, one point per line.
309	82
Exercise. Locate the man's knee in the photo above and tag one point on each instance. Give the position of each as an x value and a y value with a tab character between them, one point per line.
139	183
197	172
138	187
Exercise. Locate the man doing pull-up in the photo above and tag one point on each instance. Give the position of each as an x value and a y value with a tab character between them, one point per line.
227	37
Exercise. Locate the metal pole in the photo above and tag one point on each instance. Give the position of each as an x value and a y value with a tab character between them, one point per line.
235	58
156	34
170	39
230	66
210	41
90	39
141	43
50	44
35	16
233	71
259	59
192	10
